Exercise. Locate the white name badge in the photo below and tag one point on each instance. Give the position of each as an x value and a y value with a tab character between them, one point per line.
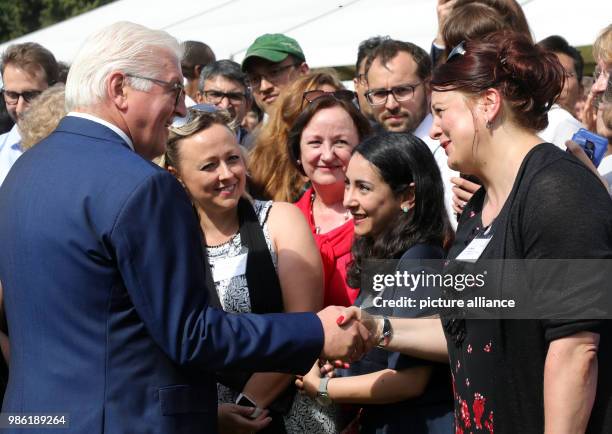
229	267
473	251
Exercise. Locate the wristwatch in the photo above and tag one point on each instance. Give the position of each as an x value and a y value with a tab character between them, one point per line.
387	333
323	398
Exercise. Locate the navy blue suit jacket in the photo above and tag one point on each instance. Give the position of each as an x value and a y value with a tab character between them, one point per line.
103	279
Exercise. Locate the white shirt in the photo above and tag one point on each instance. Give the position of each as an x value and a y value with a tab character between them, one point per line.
561	127
107	124
10	151
605	170
422	132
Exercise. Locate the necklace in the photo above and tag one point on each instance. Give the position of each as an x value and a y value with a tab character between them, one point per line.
347	214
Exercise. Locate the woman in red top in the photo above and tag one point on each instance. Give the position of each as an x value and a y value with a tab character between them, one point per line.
320	145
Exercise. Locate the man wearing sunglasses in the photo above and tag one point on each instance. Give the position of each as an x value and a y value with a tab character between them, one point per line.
397	75
224	85
271	63
27	70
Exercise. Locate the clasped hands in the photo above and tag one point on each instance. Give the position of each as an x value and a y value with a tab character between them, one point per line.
349	333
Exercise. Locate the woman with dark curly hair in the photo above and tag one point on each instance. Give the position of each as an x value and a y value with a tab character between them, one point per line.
394	192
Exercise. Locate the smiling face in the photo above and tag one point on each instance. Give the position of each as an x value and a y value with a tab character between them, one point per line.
211	168
454	126
369	198
268	79
326	145
150	113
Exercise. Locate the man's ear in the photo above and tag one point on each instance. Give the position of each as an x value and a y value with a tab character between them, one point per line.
199	97
197	70
303	68
117	90
408	198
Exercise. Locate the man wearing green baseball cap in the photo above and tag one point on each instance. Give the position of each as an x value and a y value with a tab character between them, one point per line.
272	62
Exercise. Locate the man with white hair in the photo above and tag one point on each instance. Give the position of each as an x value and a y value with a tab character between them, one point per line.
102	264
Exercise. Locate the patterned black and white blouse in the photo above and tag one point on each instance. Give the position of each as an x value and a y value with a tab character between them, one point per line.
305	416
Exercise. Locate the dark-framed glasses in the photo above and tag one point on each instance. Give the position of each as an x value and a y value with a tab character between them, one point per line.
172	86
215	96
403	92
12	98
458	50
273	75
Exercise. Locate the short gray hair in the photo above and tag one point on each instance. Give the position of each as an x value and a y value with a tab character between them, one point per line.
122	46
223	68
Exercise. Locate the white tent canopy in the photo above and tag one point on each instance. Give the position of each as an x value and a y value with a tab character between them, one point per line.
328	31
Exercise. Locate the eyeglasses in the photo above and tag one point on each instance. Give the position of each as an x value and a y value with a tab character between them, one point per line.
12	98
173	86
215	97
273	75
342	94
403	92
458	50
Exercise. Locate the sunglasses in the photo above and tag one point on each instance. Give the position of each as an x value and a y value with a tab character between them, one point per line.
12	98
192	112
340	95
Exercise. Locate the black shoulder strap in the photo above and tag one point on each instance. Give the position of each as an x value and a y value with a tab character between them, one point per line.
264	287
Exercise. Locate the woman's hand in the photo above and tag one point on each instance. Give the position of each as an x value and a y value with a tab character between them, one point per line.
309	383
463	190
588	115
234	419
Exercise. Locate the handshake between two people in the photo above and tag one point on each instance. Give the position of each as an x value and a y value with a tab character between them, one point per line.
349	333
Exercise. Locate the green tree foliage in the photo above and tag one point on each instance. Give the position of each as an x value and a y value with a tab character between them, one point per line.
19	17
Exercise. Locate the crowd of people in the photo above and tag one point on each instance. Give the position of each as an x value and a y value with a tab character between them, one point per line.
186	239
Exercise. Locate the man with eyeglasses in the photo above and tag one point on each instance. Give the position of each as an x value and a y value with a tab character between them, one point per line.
271	63
224	85
360	82
397	75
27	70
102	264
561	121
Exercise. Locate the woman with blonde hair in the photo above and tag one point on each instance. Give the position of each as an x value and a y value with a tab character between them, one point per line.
602	53
272	175
43	116
261	258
